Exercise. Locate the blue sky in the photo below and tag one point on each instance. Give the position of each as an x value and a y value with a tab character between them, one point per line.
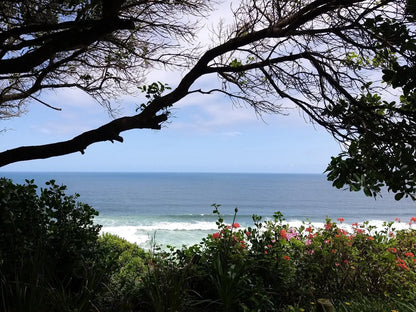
205	134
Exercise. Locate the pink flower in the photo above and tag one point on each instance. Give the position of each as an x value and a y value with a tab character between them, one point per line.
341	220
308	229
409	254
283	234
369	238
355	224
248	233
287	258
308	242
216	235
235	225
292	234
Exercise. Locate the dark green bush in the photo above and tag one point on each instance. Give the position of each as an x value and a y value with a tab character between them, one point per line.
47	245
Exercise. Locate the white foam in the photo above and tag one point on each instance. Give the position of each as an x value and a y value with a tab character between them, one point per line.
141	234
129	233
177	226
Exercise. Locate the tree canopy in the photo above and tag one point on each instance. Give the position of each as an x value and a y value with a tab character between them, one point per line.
349	65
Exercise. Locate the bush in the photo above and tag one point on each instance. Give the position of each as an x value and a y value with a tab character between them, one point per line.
275	267
47	242
125	264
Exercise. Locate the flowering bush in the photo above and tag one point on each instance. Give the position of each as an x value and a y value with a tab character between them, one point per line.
272	266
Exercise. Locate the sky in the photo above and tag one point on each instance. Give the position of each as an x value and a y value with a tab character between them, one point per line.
205	134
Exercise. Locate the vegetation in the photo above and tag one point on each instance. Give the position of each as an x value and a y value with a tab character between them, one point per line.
53	259
47	242
272	267
313	54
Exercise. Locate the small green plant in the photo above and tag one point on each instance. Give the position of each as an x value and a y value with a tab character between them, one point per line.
164	285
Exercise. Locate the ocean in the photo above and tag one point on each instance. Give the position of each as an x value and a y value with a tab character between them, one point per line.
176	208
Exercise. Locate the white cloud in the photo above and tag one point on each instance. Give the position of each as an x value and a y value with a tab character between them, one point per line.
231	133
68	128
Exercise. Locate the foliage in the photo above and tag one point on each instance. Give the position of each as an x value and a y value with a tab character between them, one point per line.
153	92
164	286
53	259
317	55
371	160
275	267
104	48
46	243
124	265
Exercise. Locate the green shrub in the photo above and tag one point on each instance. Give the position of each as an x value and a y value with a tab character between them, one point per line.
125	264
47	243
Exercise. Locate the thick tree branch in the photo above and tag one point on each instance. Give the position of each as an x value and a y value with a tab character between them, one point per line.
64	41
109	132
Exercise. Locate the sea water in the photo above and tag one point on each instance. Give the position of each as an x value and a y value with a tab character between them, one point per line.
176	208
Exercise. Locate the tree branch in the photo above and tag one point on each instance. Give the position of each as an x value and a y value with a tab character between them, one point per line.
108	132
64	41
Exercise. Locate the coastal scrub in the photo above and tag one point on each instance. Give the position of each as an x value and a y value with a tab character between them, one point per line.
273	266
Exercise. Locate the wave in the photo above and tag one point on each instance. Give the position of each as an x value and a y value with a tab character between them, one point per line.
167	233
172	226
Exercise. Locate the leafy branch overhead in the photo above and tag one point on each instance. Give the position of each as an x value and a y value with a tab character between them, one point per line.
153	92
347	64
